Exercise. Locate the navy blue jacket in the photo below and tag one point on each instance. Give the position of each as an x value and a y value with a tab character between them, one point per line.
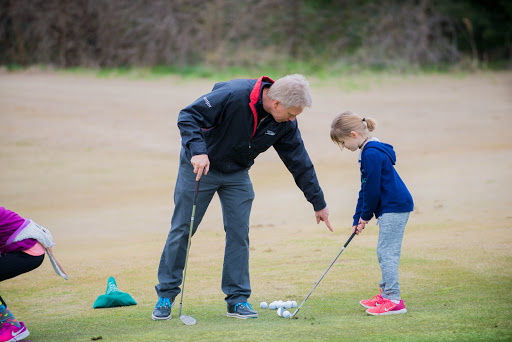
382	189
226	125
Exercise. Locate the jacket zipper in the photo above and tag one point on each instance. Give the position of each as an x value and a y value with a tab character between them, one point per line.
259	124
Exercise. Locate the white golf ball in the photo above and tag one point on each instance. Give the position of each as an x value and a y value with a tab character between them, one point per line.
286	314
280	312
272	306
288	304
263	305
280	303
294	304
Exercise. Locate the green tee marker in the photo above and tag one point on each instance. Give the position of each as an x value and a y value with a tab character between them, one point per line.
113	297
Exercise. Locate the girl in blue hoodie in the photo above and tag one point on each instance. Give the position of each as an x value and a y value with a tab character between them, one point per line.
383	194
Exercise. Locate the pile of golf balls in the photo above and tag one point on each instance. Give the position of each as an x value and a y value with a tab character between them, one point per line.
280	306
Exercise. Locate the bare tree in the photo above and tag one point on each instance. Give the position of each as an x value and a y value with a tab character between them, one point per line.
407	34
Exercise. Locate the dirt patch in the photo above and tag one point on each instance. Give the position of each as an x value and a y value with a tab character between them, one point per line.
95	160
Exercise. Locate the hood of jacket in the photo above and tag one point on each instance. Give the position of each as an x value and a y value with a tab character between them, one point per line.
386	148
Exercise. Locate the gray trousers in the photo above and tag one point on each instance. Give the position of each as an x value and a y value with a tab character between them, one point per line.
236	195
391	233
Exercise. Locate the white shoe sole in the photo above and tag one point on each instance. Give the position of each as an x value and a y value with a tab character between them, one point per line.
161	318
235	315
396	312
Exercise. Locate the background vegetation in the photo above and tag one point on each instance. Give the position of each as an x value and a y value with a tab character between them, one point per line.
323	34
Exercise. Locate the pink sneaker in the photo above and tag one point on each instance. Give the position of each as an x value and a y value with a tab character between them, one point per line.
387	307
371	303
12	333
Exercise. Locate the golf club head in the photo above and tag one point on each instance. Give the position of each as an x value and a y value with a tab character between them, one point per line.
188	320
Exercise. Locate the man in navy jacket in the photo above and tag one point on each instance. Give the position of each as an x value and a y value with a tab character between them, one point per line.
221	134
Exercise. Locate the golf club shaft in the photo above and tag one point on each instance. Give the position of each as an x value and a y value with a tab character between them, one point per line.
188	244
319	280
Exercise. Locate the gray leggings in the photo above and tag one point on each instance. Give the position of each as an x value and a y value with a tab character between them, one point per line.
391	233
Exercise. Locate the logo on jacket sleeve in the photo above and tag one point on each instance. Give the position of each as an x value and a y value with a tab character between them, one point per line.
207	102
269	132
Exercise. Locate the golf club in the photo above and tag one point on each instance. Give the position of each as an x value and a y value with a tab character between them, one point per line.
188	320
346	244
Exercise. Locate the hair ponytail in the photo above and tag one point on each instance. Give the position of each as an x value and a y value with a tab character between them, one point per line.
370	124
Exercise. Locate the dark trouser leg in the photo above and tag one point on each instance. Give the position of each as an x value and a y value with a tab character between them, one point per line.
172	261
236	196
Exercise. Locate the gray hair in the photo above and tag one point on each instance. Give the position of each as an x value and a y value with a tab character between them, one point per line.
291	91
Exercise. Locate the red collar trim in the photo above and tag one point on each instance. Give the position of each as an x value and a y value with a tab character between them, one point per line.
255	97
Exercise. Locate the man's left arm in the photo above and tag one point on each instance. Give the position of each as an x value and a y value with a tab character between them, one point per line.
292	152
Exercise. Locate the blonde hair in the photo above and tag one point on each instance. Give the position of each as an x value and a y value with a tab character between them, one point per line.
291	91
347	122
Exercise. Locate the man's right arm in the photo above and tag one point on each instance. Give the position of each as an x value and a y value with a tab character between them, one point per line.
206	112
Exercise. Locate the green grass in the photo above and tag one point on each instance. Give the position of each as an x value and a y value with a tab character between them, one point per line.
448	298
327	319
345	78
318	69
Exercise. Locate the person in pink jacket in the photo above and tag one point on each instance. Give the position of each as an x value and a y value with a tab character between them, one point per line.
23	244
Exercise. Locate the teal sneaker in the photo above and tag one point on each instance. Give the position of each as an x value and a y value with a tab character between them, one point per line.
162	309
241	310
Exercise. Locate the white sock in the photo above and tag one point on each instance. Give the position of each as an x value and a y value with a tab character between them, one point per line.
395	301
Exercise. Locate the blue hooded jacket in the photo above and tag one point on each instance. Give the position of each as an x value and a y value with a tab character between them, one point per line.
382	189
230	125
